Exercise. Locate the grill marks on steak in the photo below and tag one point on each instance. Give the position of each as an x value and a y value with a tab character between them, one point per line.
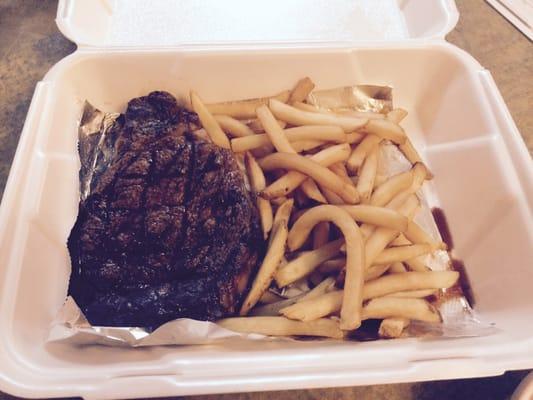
168	229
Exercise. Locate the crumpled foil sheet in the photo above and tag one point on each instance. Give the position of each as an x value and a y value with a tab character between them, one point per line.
70	325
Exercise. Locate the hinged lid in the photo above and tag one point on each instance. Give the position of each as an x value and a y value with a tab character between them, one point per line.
156	23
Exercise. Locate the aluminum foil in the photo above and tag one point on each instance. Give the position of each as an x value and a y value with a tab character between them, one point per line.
70	325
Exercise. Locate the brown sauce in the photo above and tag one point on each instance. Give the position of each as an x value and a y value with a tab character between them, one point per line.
463	286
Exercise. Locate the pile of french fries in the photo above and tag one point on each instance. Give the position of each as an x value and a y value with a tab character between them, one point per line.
342	243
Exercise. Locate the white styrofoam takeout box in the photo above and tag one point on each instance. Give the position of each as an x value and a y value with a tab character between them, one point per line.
236	49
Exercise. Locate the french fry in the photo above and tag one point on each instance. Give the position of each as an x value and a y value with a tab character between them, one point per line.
320	234
375	271
355	255
244	109
402	253
333	265
301	90
306	145
392	307
361	151
315	308
298	117
381	237
269	297
272	259
306	263
354	137
278	200
232	126
340	169
281	326
359	114
257	182
310	189
390	188
209	123
293	179
326	133
314	170
305	107
418	236
377	216
308	107
272	309
417	264
415	294
323	287
412	155
397	268
331	197
380	179
409	281
392	327
367	175
275	133
386	129
256	126
396	115
331	302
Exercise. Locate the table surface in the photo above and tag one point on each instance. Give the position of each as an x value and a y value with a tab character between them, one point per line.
30	44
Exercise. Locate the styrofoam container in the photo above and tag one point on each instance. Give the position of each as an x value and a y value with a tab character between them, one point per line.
236	49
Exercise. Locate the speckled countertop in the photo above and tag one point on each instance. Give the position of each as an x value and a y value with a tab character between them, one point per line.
30	44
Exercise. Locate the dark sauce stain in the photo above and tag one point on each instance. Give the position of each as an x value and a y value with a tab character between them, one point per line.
442	224
367	331
463	286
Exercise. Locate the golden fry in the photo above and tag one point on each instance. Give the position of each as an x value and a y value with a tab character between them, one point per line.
378	216
298	117
310	189
306	145
290	181
270	263
367	175
315	308
402	253
375	271
397	268
314	170
323	287
386	130
209	123
361	151
257	182
392	327
306	263
390	188
355	255
233	127
275	133
244	109
392	307
396	115
409	281
281	326
381	237
301	90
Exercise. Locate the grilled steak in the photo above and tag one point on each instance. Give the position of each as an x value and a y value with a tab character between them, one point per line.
167	229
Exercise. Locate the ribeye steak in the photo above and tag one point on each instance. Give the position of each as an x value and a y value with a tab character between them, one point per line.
168	228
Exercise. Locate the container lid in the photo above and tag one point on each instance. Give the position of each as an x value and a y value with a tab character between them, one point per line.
160	23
